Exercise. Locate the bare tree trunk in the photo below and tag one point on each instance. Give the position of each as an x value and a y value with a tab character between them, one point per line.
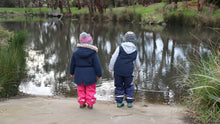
23	5
175	7
211	9
48	4
78	4
102	6
99	4
133	5
143	2
19	3
90	6
51	4
170	1
200	5
116	3
90	10
55	4
61	5
39	3
84	3
129	2
68	7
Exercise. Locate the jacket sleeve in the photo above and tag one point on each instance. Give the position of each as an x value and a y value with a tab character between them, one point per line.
97	66
113	59
137	63
72	65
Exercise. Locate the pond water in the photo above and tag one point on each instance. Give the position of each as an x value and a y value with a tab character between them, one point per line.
163	54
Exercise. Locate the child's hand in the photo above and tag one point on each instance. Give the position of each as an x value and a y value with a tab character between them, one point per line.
72	75
99	78
110	73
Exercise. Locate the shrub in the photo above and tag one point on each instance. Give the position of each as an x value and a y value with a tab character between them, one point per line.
12	65
129	16
179	18
204	81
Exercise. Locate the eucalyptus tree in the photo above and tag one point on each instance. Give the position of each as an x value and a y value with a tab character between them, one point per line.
78	4
67	6
116	4
40	3
14	3
91	7
61	5
176	1
215	2
200	5
100	5
143	2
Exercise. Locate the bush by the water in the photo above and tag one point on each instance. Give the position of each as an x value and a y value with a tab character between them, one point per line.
179	18
204	99
127	16
12	65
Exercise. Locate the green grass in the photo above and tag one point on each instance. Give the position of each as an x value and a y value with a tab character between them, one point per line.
12	65
38	10
14	10
4	35
204	83
150	9
216	14
147	13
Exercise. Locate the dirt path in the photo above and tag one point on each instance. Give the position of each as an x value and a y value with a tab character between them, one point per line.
53	110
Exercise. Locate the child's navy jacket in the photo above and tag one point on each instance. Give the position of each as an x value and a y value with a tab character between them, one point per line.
85	65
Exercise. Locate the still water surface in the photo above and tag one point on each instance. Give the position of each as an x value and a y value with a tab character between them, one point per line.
162	54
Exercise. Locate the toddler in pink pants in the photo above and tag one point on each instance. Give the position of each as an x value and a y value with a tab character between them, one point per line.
85	68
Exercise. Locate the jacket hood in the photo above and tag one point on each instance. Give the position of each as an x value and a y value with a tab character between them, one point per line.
128	47
86	50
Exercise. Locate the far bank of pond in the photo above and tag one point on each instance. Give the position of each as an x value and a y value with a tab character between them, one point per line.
50	45
155	14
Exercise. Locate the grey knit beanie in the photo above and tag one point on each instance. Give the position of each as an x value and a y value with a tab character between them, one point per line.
130	37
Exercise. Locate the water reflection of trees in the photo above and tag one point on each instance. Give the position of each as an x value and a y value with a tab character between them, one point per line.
160	53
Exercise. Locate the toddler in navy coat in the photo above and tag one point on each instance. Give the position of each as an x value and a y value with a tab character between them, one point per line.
85	68
123	62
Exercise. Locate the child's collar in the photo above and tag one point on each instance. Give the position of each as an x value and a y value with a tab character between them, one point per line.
88	46
129	42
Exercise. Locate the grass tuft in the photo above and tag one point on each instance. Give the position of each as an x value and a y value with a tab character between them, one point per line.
204	83
12	65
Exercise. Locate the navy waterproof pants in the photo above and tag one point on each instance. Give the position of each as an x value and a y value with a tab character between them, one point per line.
124	86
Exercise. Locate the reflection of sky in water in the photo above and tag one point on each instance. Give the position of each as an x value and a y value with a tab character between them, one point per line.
38	82
105	91
108	47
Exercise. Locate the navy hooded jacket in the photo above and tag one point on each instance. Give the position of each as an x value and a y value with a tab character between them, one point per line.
85	65
124	64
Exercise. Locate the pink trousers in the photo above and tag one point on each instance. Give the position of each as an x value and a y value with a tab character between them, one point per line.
86	94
